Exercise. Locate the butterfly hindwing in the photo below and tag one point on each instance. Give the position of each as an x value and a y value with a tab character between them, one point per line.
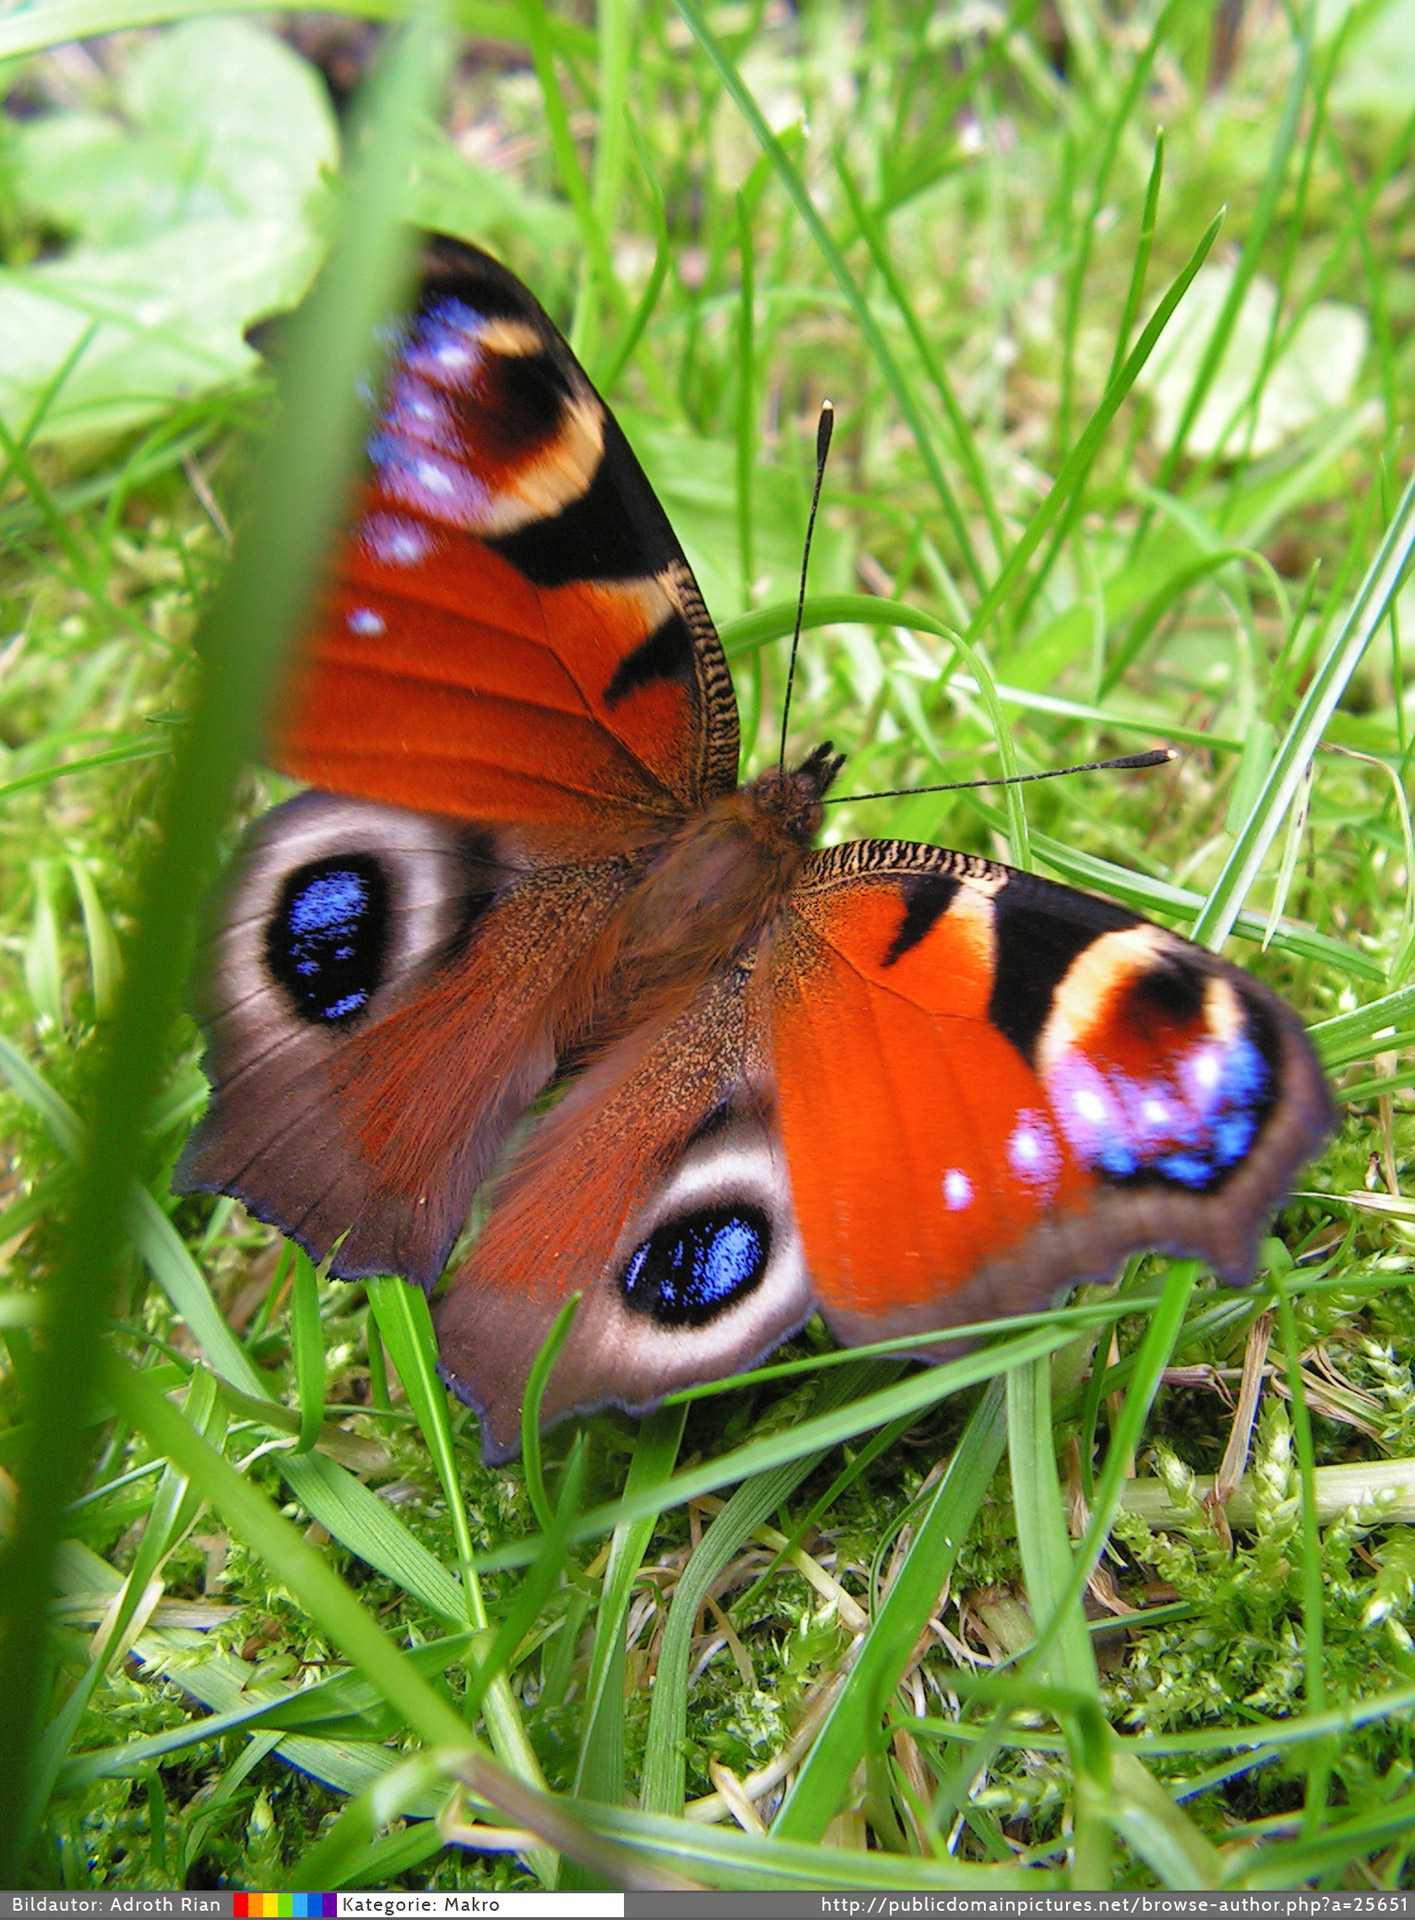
991	1086
512	632
384	999
657	1190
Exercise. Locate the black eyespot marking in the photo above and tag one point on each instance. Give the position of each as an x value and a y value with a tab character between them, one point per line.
327	941
667	654
693	1268
1173	993
927	896
522	404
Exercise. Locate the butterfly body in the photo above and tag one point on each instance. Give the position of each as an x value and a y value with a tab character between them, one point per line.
528	923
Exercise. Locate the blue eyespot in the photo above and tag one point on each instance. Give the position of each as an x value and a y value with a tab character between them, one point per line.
691	1269
1188	1121
327	941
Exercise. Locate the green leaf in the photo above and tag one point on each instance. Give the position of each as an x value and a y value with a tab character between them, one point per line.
193	209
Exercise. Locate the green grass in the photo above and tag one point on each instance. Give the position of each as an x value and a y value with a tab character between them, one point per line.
299	1634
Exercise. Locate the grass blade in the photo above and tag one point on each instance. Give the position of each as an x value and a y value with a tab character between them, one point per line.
753	1502
406	1328
293	510
1324	693
850	1728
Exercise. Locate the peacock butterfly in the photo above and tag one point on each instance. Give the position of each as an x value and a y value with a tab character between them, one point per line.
901	1085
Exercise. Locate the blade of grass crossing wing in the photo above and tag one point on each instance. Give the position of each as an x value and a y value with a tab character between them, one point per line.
853	1722
294	505
661	1790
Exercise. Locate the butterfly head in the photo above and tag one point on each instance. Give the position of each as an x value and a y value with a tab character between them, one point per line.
793	800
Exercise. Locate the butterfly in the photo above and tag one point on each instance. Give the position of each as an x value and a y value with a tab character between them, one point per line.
525	923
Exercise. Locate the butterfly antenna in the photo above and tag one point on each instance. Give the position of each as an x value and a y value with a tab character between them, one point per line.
1157	757
825	427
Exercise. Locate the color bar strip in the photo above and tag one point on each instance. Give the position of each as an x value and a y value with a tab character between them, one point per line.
286	1906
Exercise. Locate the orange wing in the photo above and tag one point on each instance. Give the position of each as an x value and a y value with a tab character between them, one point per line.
512	633
991	1087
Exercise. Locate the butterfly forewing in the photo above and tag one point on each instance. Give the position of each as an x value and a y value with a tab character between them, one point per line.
512	632
1045	1083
